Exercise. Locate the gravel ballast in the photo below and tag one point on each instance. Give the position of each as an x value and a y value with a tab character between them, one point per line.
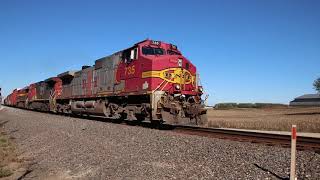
60	147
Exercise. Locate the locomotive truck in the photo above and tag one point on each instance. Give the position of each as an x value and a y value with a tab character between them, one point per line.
150	81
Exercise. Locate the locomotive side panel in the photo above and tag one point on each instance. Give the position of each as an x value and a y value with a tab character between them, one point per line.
42	95
22	96
76	84
105	80
41	90
32	92
86	82
52	88
13	98
33	96
66	89
82	83
46	91
57	87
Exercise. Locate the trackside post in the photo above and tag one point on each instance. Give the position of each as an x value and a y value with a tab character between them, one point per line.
293	152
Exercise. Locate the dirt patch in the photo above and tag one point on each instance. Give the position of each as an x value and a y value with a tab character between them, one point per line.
275	119
6	155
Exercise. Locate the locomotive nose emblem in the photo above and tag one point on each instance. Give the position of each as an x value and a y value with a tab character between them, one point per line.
172	75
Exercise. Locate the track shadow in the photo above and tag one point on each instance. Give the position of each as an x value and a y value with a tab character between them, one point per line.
274	174
145	124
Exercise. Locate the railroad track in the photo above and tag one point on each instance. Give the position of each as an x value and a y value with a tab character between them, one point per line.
303	142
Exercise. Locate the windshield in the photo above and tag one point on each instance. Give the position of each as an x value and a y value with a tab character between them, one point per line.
152	51
173	52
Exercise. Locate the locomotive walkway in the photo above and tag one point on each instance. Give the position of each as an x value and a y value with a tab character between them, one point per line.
60	147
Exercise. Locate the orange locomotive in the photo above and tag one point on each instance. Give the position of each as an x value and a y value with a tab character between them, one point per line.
150	81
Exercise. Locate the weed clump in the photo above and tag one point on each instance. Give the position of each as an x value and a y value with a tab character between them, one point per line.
5	172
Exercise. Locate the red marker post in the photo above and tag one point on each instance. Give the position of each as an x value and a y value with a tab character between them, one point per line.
293	152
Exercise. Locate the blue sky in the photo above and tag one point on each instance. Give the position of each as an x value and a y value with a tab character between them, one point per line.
245	51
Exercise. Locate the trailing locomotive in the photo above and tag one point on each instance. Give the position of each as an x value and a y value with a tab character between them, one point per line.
150	81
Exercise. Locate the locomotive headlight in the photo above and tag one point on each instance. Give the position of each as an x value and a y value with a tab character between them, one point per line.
180	62
200	89
177	86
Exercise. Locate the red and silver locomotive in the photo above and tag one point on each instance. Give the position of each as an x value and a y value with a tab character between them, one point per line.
150	81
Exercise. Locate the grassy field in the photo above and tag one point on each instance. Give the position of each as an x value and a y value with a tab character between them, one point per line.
276	119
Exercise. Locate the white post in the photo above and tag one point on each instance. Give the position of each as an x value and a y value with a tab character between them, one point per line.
293	152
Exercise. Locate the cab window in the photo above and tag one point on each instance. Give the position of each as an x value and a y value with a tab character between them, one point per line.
130	54
152	51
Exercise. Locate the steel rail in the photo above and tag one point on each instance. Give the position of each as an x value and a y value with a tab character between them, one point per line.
303	142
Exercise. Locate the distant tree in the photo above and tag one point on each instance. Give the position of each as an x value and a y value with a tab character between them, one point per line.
316	85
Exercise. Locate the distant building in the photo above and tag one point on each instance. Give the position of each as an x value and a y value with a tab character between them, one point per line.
306	100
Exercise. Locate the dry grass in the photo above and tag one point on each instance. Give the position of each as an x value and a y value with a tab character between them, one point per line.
7	155
5	172
276	119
